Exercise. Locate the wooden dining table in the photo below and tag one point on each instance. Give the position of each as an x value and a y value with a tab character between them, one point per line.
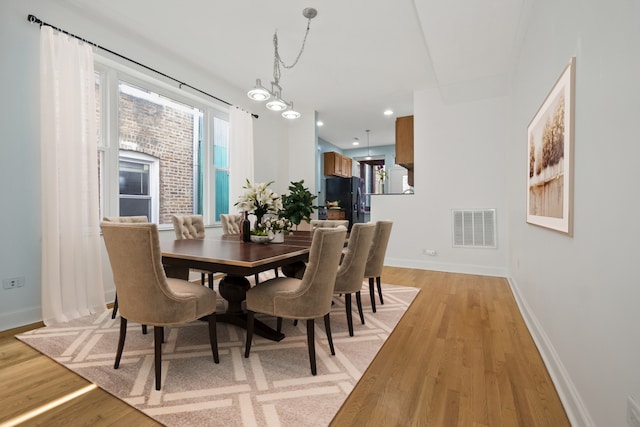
237	259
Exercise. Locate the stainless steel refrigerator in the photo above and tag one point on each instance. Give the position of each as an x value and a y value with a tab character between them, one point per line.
350	193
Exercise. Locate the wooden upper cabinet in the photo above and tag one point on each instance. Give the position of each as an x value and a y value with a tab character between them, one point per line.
335	164
346	166
404	141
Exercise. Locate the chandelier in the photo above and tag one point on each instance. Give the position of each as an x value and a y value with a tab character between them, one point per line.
260	93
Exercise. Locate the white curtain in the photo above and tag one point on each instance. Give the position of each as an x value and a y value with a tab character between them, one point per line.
71	269
240	153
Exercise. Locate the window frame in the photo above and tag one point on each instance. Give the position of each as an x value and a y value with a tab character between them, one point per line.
111	73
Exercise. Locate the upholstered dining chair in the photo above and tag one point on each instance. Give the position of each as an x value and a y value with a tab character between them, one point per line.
351	270
307	298
373	269
323	223
125	219
147	296
232	224
191	227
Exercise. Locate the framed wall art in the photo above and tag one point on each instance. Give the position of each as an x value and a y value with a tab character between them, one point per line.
550	157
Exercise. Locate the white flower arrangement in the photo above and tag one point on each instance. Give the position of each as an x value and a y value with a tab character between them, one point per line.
277	224
259	199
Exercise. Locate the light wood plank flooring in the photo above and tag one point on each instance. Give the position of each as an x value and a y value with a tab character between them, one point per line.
460	356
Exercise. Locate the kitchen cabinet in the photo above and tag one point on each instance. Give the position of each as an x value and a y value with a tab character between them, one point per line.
404	144
335	164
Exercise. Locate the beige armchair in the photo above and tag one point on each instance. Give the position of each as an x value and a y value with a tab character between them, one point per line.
128	220
231	223
375	262
191	227
324	223
307	298
147	296
351	270
188	226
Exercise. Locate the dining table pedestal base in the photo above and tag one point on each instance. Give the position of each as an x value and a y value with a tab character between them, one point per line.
234	290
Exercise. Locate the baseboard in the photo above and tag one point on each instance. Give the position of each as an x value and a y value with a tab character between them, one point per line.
574	406
19	318
446	267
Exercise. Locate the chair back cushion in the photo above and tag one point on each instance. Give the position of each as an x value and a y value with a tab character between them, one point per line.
127	219
378	249
328	223
316	286
231	223
188	226
351	270
144	293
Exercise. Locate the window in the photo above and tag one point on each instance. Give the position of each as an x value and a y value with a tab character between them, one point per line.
138	184
154	143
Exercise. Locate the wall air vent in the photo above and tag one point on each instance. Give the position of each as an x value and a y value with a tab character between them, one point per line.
474	228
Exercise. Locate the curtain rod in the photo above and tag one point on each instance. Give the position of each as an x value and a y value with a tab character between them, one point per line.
35	20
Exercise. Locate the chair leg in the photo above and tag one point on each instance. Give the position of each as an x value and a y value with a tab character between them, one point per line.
115	307
276	270
158	334
311	343
202	279
359	303
247	346
372	294
210	280
257	278
347	306
295	322
213	337
123	334
379	290
144	329
279	324
327	328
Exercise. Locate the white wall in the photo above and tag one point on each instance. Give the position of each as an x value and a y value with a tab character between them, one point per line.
580	294
459	164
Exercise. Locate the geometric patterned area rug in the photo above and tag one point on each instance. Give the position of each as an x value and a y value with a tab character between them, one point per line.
273	387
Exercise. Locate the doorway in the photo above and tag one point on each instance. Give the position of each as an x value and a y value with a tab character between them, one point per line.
368	170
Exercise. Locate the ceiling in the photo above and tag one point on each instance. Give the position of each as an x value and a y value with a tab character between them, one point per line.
361	57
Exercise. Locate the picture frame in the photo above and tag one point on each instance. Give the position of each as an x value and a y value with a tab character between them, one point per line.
550	146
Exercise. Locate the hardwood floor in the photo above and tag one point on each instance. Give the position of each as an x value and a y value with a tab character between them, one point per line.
460	356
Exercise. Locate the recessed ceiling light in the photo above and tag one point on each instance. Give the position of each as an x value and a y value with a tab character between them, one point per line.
388	112
319	123
355	143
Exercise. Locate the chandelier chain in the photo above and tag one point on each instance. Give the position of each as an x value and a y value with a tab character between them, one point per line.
277	59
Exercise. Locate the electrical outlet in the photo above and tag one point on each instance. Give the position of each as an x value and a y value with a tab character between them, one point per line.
14	282
633	412
430	252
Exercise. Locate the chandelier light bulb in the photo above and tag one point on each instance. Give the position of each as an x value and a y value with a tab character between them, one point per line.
259	93
290	114
276	105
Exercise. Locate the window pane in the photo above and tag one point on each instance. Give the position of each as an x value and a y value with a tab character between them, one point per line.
221	165
134	178
221	143
222	193
135	206
168	130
